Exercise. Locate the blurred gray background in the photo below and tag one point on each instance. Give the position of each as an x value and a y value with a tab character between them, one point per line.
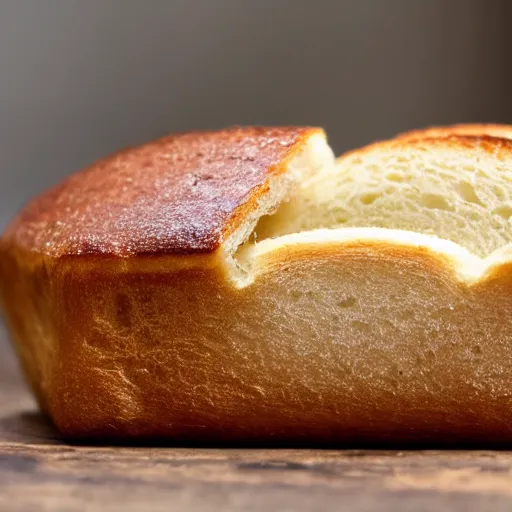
79	79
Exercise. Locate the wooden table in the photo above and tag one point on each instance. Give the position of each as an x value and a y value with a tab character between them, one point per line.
39	472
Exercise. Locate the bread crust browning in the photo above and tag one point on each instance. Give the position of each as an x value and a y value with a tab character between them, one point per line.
182	194
183	355
499	147
500	131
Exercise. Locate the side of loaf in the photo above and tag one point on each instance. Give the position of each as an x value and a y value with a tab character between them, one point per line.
323	303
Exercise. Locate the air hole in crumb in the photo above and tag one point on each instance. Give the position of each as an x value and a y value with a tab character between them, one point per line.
499	193
395	176
477	350
467	192
347	303
436	202
400	372
503	211
295	294
369	198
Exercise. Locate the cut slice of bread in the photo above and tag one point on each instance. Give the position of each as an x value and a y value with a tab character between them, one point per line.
458	188
369	303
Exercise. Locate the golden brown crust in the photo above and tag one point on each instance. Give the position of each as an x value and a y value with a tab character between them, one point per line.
404	351
501	131
181	194
499	147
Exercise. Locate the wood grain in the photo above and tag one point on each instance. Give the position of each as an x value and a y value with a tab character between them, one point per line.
38	471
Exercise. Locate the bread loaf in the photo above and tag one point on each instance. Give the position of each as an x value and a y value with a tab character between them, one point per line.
242	286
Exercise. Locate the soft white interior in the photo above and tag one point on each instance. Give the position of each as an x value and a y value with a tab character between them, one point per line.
463	195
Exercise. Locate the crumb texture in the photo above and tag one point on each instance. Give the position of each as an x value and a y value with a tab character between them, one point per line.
457	188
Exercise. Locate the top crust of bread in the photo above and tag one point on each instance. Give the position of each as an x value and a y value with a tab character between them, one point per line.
182	194
500	131
500	147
